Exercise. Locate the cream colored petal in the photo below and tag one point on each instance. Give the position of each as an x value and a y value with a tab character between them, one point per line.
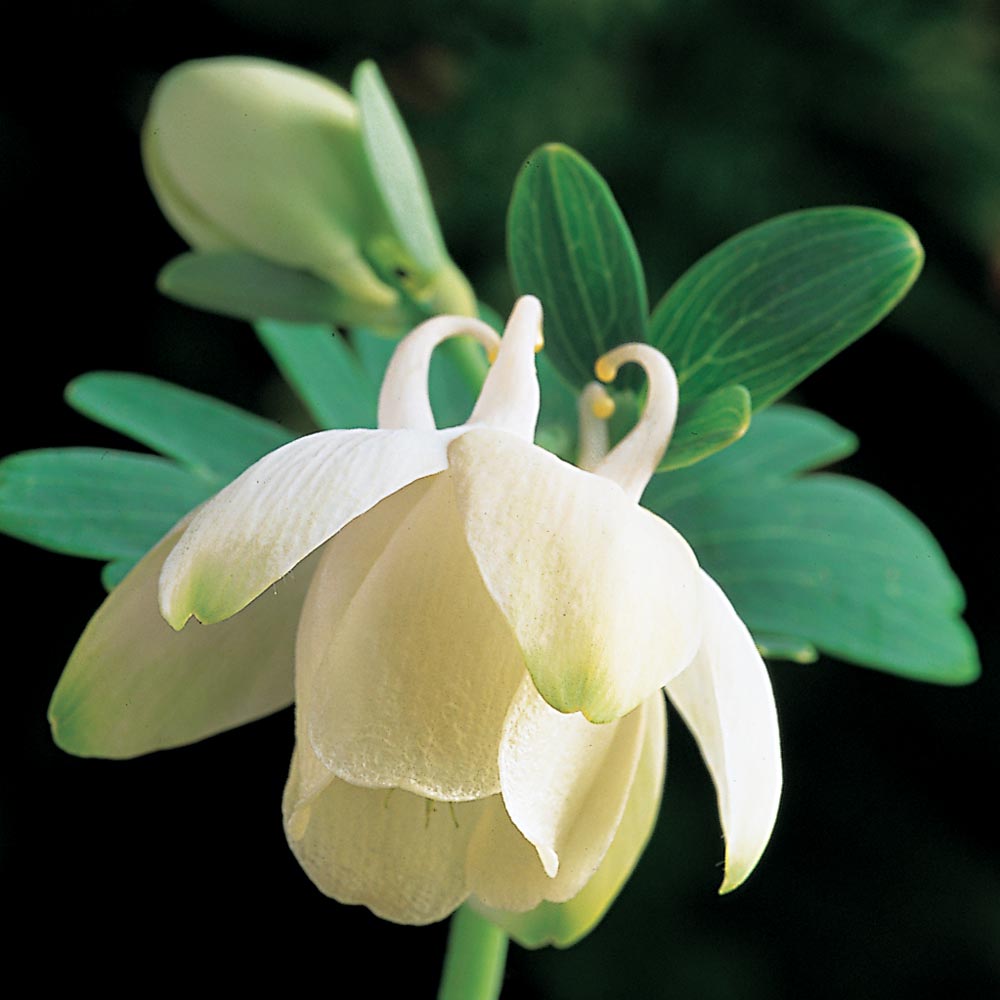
509	399
563	924
281	509
726	700
133	684
403	400
398	854
604	597
406	681
565	786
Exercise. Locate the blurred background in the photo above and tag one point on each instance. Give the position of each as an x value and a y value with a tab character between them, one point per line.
882	879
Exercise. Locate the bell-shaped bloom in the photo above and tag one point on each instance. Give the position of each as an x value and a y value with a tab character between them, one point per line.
477	634
262	168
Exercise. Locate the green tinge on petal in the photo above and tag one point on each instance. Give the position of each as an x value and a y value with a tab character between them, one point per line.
603	596
282	508
726	700
405	668
563	924
134	685
400	855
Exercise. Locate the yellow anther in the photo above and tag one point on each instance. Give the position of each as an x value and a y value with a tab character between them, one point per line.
603	407
540	343
491	353
605	370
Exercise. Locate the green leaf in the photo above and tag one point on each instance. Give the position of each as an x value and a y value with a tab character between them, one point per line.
569	244
114	572
775	302
558	420
94	502
324	371
451	391
394	165
211	437
247	287
374	353
783	442
708	426
820	560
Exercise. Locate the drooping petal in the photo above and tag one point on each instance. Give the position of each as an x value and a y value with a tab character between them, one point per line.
604	597
405	680
400	855
563	924
565	784
281	509
726	700
134	685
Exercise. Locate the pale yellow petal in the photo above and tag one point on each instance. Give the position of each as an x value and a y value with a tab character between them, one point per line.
563	924
133	684
282	508
509	399
400	855
405	680
726	700
565	786
604	597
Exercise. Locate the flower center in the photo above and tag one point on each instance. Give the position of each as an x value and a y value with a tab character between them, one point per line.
632	462
594	408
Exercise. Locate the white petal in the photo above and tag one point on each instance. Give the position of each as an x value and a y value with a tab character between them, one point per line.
563	924
604	597
565	786
134	685
403	400
726	700
398	854
509	399
405	680
281	509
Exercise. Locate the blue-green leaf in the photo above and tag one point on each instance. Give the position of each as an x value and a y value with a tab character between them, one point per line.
820	560
95	502
374	352
569	244
558	420
210	437
773	303
708	426
782	443
324	371
244	286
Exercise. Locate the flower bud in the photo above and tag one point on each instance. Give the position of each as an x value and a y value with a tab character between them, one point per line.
262	169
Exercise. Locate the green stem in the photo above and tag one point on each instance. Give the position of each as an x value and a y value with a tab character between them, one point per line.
475	959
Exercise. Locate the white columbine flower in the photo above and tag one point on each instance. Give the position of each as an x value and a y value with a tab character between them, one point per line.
477	634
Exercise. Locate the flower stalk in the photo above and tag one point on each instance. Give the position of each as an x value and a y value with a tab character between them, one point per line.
475	958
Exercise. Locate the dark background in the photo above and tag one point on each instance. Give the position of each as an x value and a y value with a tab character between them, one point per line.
882	877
